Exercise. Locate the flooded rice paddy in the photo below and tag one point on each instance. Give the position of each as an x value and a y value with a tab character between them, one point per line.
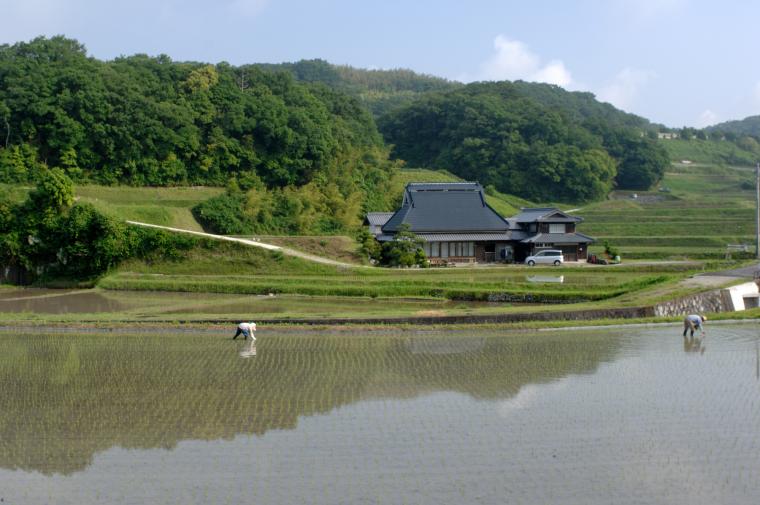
72	305
637	415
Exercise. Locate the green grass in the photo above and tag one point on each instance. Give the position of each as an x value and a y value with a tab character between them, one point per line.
708	151
161	206
704	209
336	247
226	268
408	175
15	192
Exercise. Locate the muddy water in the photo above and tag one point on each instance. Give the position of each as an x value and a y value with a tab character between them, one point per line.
59	301
636	416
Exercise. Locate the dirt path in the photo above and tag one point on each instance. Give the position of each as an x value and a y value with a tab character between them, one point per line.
254	243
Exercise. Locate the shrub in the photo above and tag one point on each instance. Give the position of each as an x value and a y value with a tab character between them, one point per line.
369	247
223	214
610	250
405	250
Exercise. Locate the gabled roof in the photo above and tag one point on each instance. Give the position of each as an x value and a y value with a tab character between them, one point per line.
377	218
446	207
545	214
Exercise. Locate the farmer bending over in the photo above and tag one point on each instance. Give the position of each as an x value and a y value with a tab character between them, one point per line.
247	330
693	322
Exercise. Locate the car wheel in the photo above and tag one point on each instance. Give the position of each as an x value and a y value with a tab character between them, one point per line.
531	263
557	263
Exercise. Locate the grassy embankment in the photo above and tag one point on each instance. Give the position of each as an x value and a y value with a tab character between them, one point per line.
708	152
697	210
221	281
701	209
704	209
226	269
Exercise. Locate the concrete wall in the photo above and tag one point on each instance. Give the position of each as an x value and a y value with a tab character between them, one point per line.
742	294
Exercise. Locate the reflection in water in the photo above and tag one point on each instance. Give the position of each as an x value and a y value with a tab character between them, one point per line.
693	344
84	394
58	302
559	279
248	350
436	417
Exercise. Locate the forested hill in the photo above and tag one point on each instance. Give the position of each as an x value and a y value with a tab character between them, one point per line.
747	126
380	91
534	140
579	106
298	136
145	120
530	139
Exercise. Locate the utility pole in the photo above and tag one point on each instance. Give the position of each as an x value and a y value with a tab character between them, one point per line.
757	210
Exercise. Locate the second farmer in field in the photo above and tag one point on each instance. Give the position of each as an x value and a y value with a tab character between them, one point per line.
247	330
693	322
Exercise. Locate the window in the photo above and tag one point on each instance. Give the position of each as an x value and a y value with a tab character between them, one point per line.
444	249
470	249
426	248
556	227
435	249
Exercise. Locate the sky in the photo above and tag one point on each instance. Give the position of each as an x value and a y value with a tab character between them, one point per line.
676	62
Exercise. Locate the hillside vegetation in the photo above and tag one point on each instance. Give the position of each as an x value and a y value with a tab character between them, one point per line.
533	140
380	91
711	151
699	212
143	121
747	126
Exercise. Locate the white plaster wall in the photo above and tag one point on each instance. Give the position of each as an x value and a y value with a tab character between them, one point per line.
737	294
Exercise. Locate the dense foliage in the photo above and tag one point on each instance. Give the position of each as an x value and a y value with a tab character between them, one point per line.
150	121
332	204
295	143
380	91
749	126
50	237
569	149
405	250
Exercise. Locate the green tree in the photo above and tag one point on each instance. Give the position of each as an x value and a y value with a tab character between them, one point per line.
536	141
405	250
369	247
54	191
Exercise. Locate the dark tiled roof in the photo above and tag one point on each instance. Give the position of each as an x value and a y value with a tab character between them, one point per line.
559	238
446	207
552	214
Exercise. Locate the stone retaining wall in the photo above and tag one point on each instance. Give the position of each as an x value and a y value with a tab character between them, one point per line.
718	300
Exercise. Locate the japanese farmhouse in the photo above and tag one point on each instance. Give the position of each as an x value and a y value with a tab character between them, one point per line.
458	226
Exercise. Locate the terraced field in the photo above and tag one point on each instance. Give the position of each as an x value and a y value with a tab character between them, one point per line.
704	209
229	269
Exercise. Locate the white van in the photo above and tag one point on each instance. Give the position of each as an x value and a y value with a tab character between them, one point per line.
546	257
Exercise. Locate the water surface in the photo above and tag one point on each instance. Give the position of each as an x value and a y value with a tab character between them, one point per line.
634	416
